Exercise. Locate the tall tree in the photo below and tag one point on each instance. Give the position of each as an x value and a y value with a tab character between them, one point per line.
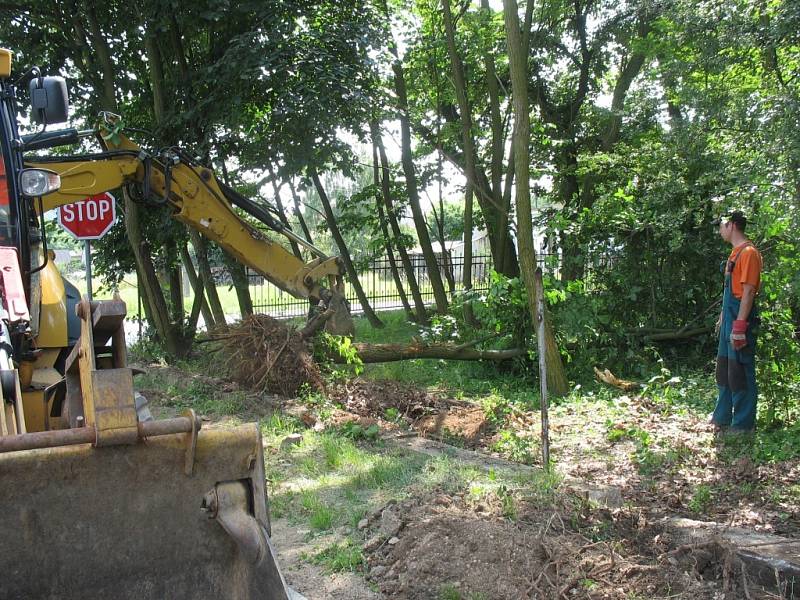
391	214
344	252
409	172
517	56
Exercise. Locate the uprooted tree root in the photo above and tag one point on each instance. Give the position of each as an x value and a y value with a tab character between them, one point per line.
267	355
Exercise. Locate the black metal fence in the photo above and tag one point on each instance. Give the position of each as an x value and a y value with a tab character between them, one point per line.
380	288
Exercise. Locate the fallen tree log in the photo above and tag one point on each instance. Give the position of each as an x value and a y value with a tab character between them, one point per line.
680	334
375	353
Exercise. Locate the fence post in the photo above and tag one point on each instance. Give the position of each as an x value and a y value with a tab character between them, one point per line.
542	369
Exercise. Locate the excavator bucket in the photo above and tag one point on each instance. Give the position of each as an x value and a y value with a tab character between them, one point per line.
341	321
128	522
103	504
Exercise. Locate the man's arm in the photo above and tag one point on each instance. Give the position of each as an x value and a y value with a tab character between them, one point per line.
746	304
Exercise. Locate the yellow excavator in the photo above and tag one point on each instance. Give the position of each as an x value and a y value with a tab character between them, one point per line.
99	499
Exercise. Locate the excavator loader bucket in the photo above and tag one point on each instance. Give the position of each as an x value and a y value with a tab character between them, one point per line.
341	321
175	516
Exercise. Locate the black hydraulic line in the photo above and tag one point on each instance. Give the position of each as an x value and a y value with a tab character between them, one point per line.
82	157
44	240
49	139
251	208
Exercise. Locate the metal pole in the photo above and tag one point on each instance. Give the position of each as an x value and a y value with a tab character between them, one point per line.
542	369
87	259
139	304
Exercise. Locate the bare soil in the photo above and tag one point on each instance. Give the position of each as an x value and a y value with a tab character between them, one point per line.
444	547
665	460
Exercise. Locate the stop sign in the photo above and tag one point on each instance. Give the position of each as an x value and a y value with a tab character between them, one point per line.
89	219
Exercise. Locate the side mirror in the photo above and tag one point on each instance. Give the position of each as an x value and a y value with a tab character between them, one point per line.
49	100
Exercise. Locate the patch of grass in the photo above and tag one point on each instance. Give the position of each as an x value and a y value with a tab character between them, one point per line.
449	592
280	425
508	504
310	467
202	396
701	499
392	471
320	515
793	491
339	557
495	407
747	488
516	447
542	486
280	504
763	446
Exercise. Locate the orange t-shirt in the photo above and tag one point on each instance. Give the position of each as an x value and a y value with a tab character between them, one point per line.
747	269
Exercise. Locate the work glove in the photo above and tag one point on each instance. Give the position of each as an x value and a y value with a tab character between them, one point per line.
739	334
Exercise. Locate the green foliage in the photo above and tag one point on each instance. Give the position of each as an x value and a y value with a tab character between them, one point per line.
514	447
326	344
354	431
701	499
392	415
503	308
453	216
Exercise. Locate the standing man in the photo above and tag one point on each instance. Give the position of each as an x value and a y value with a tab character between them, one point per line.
736	369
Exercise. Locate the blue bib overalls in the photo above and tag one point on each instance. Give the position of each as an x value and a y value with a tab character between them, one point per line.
736	369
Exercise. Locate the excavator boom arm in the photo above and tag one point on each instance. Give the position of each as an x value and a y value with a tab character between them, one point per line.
202	203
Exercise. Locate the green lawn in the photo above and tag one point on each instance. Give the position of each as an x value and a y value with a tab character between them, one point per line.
128	292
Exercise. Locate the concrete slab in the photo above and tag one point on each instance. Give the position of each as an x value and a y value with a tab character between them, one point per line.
772	560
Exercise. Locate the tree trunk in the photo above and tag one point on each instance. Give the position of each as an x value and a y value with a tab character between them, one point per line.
408	268
469	316
200	245
376	353
241	283
197	288
431	262
175	283
238	272
387	240
102	50
446	263
299	214
148	312
167	332
572	265
518	63
343	251
505	265
281	213
467	141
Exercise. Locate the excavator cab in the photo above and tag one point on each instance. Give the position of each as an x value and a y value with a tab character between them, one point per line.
101	501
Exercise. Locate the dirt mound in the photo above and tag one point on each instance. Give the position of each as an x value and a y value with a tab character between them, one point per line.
368	398
267	355
432	415
441	548
467	424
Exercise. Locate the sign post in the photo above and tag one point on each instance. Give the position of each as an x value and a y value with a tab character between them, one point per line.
87	261
89	219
